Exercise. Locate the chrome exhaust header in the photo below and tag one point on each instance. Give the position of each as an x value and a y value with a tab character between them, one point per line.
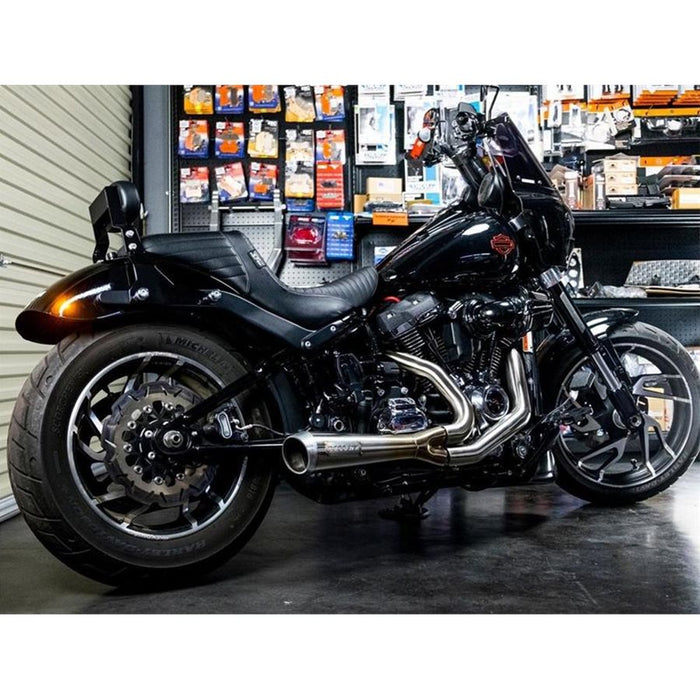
508	426
307	452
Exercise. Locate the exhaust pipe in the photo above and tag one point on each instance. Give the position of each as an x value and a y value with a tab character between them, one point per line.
508	426
307	452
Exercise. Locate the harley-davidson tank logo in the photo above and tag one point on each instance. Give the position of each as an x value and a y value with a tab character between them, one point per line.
503	244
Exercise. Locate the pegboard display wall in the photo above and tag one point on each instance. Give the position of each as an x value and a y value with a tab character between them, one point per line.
195	216
257	226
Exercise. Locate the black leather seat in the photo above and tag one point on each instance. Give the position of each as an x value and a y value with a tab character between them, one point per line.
232	258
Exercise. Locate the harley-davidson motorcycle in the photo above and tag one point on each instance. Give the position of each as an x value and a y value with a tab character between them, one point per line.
187	380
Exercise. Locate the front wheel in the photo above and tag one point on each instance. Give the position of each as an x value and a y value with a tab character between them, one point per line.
597	459
86	480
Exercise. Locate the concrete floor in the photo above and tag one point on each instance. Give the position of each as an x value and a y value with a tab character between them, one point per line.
520	550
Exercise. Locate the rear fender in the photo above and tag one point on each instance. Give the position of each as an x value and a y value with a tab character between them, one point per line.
123	291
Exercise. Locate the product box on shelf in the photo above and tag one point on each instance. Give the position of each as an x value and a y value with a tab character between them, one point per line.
593	196
621	177
384	185
694	352
620	163
686	198
612	190
389	189
661	411
358	203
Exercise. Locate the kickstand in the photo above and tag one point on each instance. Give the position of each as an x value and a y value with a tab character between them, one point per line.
409	509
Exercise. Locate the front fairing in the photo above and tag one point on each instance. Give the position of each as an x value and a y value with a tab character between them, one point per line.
551	223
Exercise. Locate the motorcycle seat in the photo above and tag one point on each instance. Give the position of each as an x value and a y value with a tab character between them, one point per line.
230	257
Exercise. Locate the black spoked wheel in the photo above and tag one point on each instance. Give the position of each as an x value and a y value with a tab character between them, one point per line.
124	482
87	472
597	458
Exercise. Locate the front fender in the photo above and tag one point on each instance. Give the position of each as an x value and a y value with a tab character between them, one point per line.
601	323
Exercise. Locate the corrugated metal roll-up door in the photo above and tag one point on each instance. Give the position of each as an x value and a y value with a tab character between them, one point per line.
59	145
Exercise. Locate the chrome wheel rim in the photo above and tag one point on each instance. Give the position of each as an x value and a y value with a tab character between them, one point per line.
109	498
602	453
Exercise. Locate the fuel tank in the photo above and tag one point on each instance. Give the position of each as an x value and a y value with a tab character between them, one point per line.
455	248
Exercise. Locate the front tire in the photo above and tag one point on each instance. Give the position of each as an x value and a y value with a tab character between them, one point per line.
595	459
103	512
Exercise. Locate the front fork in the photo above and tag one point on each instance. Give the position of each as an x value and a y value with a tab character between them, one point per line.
600	352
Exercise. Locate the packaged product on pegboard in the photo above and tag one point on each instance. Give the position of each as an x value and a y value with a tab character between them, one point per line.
230	182
263	138
299	103
330	103
264	98
299	179
229	140
229	99
262	181
194	185
193	141
330	191
198	99
340	236
299	145
304	240
330	145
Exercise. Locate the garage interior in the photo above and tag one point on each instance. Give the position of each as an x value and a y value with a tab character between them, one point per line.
527	549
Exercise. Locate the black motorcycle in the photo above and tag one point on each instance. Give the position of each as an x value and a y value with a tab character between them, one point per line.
186	379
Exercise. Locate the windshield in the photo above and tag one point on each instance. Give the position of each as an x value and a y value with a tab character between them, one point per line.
526	172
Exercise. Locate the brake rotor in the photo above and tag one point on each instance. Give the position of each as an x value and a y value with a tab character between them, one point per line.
131	435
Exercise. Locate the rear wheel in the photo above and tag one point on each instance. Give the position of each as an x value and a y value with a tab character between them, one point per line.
597	459
88	479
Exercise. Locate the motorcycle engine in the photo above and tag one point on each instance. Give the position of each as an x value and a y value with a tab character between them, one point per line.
401	322
469	337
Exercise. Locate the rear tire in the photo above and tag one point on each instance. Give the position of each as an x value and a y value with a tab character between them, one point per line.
101	516
672	374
